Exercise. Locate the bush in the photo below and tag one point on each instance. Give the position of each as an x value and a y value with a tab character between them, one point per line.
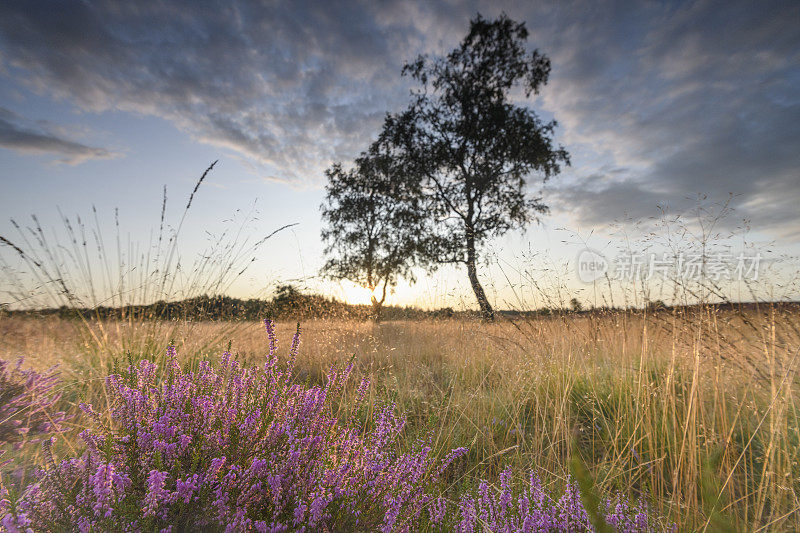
234	449
27	412
27	402
530	509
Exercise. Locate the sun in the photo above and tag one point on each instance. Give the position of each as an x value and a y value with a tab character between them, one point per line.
354	294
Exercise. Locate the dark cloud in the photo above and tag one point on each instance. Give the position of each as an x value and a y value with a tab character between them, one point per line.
695	98
656	101
18	134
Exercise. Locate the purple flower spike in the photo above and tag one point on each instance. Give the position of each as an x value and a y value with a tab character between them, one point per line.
236	449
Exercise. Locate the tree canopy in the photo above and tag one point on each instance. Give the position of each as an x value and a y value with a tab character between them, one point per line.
373	232
470	147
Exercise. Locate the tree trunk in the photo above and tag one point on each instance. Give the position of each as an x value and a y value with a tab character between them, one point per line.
486	309
377	305
376	310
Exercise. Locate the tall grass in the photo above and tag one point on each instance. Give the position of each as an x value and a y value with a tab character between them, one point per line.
86	268
661	406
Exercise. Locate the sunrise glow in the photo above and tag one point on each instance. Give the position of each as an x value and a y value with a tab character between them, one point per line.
354	294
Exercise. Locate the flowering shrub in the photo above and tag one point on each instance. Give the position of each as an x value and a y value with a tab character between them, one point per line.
26	405
232	449
236	449
532	510
27	412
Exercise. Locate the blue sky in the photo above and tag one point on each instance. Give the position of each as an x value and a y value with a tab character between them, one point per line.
103	103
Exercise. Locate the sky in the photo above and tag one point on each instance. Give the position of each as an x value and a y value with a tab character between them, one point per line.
663	106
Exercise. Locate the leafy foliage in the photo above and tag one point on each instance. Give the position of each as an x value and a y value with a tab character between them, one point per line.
373	216
470	146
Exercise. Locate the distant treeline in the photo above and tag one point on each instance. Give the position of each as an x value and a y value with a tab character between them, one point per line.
289	303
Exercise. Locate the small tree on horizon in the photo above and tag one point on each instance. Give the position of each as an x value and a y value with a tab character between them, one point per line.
373	225
470	147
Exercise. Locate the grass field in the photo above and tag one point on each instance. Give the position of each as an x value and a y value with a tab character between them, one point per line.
695	409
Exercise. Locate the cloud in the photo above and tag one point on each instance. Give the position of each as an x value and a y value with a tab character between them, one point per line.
693	98
18	134
289	87
677	98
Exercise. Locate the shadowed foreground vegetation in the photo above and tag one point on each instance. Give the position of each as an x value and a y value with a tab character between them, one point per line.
694	409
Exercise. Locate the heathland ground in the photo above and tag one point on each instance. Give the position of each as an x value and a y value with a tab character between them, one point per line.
694	409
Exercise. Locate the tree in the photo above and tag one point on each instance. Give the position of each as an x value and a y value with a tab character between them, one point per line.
470	147
372	216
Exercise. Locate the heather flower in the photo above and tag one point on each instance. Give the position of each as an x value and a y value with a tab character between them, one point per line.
468	515
187	488
27	405
453	455
237	449
571	511
438	510
156	495
530	509
102	482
